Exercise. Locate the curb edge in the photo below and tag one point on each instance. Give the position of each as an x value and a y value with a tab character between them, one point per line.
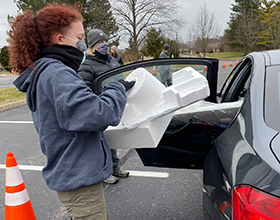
7	106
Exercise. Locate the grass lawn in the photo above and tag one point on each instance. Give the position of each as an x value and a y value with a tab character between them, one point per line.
10	95
226	55
4	72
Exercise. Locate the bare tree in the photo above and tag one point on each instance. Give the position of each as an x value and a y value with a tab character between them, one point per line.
135	17
205	28
191	41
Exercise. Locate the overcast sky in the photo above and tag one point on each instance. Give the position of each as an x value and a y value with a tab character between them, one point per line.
188	12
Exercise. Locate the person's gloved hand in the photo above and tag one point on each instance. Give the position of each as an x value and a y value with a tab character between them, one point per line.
127	84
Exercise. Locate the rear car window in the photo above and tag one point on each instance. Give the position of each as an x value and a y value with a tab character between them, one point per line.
272	97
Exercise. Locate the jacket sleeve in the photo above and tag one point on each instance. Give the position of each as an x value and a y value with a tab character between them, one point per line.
121	60
87	73
78	108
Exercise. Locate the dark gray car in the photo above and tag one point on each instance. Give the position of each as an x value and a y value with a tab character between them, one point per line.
232	135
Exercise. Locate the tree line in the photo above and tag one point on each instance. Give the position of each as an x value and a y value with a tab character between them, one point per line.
254	25
121	20
146	25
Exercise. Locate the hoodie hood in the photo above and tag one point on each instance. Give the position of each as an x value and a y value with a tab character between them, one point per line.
27	81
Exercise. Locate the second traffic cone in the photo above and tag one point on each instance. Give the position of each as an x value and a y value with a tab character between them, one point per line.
154	70
236	62
224	64
13	71
230	64
205	69
17	203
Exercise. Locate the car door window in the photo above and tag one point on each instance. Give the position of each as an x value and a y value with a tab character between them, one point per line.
158	71
237	84
207	67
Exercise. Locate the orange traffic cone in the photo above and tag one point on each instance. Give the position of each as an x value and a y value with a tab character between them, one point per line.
13	71
224	64
154	70
17	202
236	62
230	64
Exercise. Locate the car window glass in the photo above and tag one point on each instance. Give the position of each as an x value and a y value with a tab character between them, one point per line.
272	97
237	83
160	72
228	81
245	88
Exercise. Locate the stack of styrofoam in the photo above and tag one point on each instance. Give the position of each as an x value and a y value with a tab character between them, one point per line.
150	107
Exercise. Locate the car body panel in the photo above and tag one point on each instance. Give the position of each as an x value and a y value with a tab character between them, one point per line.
243	154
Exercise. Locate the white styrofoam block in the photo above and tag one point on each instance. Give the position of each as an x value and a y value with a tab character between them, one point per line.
189	86
150	107
146	135
220	114
182	75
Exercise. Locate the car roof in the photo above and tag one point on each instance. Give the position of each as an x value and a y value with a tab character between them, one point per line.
271	57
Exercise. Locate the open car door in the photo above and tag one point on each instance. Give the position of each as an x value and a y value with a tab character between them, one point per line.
184	144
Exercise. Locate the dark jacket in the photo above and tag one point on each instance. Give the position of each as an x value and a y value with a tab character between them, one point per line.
70	120
163	54
119	59
93	66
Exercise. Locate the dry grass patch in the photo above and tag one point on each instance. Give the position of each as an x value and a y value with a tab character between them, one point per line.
8	95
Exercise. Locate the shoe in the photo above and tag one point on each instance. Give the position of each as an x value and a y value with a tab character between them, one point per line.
121	173
111	180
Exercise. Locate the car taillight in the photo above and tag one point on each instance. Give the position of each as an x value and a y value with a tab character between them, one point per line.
249	203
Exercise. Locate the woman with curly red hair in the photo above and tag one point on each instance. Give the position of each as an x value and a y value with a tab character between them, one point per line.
45	50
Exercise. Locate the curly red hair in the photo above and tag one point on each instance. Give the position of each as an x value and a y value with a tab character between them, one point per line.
29	34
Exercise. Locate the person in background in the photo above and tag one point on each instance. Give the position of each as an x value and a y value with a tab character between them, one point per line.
46	51
165	51
98	60
117	56
164	70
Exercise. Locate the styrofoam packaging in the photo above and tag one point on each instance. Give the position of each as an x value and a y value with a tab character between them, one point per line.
150	107
189	86
218	114
146	135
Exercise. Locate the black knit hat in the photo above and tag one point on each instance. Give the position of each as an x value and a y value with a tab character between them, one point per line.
95	36
166	46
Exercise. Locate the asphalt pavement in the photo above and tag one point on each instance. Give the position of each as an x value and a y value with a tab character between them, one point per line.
148	193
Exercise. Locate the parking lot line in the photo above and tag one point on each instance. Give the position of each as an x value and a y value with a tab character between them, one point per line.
16	122
131	172
148	174
25	167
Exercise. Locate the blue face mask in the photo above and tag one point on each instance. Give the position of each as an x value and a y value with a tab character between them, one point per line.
81	45
103	48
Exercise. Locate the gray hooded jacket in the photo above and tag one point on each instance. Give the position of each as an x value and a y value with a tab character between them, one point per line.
70	120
